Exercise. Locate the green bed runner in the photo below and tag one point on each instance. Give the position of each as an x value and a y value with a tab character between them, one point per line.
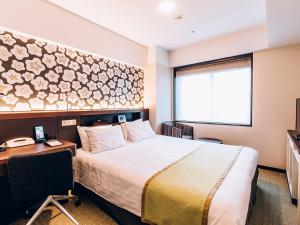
181	193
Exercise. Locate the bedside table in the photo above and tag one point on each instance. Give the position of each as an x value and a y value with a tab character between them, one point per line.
32	149
210	140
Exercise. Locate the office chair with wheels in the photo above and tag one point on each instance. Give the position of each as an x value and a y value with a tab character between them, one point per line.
34	177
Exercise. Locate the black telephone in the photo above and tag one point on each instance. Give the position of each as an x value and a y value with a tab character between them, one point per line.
3	147
297	137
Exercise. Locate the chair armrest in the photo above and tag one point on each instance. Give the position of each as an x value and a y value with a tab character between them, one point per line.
169	130
186	129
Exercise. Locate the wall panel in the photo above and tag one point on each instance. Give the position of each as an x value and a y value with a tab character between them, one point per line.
36	75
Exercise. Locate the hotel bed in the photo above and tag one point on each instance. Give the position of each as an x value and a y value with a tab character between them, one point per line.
119	176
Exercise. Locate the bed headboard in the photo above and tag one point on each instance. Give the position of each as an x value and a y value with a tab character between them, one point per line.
16	124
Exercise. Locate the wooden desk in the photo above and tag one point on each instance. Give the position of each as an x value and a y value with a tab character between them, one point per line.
32	149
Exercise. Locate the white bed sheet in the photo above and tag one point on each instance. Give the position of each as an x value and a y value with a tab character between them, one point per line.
119	175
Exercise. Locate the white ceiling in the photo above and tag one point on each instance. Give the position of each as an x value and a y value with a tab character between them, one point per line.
283	22
142	21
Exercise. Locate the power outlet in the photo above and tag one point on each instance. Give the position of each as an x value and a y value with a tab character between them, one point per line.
66	123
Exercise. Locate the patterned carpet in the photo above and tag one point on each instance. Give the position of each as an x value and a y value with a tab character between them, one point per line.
272	207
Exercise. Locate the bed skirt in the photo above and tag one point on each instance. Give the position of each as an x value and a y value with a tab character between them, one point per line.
123	217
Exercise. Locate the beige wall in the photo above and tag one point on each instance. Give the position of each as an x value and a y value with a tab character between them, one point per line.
238	43
164	95
150	92
158	84
276	85
46	20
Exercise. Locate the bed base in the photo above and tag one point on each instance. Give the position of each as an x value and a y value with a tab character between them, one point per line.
123	217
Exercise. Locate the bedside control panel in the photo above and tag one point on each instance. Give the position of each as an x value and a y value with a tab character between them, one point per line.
66	123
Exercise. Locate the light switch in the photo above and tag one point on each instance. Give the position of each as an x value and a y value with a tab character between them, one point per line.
66	123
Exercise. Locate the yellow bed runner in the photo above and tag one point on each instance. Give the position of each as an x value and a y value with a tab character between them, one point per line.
181	193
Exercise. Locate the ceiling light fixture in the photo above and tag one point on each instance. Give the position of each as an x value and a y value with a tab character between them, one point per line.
166	6
180	17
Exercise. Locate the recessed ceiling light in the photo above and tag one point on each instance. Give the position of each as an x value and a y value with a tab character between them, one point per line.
166	6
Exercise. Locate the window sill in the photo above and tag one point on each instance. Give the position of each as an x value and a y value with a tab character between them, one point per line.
216	123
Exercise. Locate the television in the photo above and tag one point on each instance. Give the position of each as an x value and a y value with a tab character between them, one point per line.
298	114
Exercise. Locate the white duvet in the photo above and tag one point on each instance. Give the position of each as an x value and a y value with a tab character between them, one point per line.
119	175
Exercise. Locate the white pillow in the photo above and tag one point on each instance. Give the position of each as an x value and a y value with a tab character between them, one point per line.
85	143
123	126
139	131
105	139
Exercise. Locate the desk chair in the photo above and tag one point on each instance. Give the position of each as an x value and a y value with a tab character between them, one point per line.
39	176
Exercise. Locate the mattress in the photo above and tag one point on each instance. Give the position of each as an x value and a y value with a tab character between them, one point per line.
119	175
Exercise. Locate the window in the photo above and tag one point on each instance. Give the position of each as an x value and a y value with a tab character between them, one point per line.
217	92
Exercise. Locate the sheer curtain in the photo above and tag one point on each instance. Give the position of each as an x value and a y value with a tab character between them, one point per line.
216	93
